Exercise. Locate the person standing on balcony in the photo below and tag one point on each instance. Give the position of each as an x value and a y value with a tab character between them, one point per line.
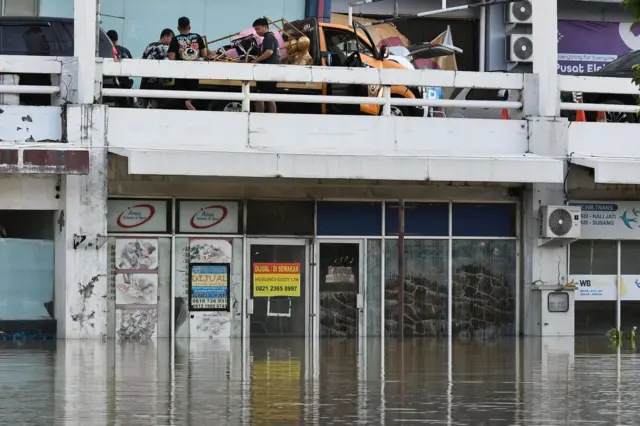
123	52
158	50
269	54
187	46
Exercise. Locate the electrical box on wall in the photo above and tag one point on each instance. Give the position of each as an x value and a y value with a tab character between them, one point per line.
557	314
560	222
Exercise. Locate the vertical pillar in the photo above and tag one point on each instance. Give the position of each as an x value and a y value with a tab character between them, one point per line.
81	251
85	41
545	264
545	55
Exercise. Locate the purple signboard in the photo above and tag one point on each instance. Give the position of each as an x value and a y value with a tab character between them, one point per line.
585	46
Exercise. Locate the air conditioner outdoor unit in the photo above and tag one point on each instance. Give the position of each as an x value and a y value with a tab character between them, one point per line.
518	12
520	48
560	221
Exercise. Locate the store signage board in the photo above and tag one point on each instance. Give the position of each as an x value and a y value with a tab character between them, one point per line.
209	287
208	217
276	279
135	216
609	220
599	288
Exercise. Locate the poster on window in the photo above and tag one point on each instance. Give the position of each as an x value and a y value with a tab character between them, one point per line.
209	287
136	289
137	325
276	279
136	254
203	250
599	288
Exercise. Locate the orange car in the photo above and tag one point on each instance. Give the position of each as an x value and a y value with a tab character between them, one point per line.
328	45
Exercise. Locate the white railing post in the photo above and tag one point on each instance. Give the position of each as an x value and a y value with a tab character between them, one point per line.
246	101
85	41
545	56
67	82
98	80
386	107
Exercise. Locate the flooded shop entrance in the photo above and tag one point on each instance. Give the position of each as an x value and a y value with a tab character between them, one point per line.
279	300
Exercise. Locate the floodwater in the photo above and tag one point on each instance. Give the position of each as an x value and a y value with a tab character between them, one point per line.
323	382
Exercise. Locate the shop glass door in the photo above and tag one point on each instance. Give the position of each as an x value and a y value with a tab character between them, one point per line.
340	288
277	303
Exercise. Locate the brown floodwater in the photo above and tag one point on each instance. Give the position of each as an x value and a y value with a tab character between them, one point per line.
322	382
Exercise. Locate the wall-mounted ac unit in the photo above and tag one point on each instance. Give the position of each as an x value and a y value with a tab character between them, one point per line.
518	12
560	221
519	48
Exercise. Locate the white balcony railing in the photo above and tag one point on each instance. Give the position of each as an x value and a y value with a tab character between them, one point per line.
613	94
32	65
311	75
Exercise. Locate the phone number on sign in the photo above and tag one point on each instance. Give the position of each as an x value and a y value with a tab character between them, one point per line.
208	304
276	288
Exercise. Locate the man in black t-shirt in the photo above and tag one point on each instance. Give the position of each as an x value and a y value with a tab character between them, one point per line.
269	54
186	46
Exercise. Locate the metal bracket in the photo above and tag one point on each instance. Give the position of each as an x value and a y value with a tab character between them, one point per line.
77	240
101	240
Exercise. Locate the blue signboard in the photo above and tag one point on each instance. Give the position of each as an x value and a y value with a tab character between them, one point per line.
209	287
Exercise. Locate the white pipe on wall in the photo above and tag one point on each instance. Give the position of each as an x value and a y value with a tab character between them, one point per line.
619	287
482	40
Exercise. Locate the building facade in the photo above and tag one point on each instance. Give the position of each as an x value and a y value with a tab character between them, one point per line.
139	223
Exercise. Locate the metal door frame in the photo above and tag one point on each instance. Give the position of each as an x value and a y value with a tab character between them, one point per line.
362	265
246	285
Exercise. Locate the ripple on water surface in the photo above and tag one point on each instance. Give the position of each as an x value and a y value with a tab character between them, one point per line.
325	382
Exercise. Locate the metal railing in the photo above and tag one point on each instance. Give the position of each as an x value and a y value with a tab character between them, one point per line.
620	90
32	65
312	75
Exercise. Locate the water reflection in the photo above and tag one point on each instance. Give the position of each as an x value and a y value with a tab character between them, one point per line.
332	381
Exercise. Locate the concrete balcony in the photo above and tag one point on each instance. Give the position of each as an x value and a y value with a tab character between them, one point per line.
43	139
58	138
610	149
384	147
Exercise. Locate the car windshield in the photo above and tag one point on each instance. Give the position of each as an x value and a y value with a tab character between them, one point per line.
625	62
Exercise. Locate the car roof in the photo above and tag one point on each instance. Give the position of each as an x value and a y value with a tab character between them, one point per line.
34	19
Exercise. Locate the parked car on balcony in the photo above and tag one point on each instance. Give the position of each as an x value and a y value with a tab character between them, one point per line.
308	42
620	68
40	36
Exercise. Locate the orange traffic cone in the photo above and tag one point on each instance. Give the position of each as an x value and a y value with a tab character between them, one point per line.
602	117
505	114
580	116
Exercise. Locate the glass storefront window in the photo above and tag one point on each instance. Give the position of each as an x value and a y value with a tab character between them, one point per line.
27	259
484	219
484	288
373	290
280	218
339	288
425	288
278	316
593	257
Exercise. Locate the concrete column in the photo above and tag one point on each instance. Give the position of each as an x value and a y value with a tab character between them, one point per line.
85	42
546	264
542	264
81	301
545	55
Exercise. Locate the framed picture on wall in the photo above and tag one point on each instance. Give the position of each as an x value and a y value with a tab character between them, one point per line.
209	285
